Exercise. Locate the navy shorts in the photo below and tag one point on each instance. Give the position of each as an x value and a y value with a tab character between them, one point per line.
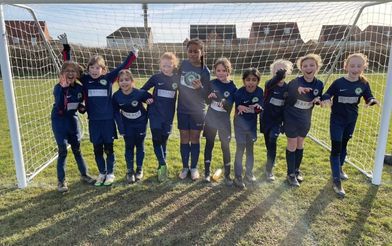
273	131
294	129
224	131
163	128
340	131
193	121
102	131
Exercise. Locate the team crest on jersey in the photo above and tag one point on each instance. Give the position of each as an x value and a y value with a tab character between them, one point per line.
103	82
174	86
226	94
315	92
358	91
134	103
255	100
188	79
80	95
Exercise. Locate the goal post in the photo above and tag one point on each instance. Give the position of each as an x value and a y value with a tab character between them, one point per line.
248	33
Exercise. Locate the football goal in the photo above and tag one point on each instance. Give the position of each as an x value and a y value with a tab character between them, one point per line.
249	33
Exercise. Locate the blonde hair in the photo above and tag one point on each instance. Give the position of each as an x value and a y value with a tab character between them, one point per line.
97	59
172	57
125	72
225	63
362	77
314	57
288	66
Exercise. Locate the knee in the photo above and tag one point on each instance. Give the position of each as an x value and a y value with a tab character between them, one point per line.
98	150
108	148
75	148
336	148
62	151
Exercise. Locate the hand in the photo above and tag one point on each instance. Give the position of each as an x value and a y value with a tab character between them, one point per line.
281	74
149	101
81	108
326	103
135	51
197	84
256	106
63	38
242	109
304	90
372	102
212	95
63	81
316	101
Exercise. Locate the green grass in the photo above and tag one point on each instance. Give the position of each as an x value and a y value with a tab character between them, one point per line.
188	213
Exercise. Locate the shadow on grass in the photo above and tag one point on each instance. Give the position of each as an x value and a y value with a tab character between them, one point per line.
187	225
93	217
241	227
299	230
354	237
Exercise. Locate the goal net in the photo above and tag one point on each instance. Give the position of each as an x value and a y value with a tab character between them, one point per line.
249	34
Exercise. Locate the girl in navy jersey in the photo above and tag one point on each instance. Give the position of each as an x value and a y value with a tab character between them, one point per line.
161	112
68	98
248	103
344	94
194	80
131	119
271	119
221	99
303	93
97	86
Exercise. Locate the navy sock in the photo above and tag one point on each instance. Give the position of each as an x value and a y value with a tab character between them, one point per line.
290	159
185	151
195	151
298	158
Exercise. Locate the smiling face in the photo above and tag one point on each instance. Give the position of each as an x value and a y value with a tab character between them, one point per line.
355	67
126	82
221	73
95	70
251	82
309	69
166	66
70	72
194	53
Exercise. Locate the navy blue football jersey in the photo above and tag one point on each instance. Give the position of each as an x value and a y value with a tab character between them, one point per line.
98	92
274	100
129	110
247	121
225	93
299	107
165	96
66	100
192	100
346	96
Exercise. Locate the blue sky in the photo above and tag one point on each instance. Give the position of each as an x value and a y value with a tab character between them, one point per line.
90	24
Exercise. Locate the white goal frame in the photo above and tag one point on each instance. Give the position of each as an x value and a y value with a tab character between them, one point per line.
11	104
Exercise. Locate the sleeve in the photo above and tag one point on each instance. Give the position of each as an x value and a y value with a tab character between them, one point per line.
331	92
117	117
146	95
292	92
125	65
228	103
66	52
59	100
367	94
149	84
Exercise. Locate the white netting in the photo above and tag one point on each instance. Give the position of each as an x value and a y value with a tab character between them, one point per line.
249	34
